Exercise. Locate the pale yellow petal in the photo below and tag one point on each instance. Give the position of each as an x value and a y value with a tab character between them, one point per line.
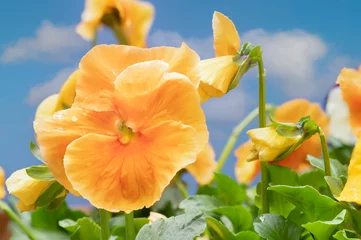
67	92
47	107
2	182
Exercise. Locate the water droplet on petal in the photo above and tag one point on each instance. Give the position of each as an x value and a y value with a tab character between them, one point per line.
74	118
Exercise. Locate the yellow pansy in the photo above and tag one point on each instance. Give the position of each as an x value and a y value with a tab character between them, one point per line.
2	182
268	144
218	73
60	101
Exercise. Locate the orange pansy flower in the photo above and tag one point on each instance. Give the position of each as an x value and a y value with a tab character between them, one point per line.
202	169
352	190
350	85
2	183
134	18
217	73
290	112
135	123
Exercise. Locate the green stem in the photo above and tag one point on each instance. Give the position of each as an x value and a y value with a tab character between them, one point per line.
181	187
119	34
15	218
95	39
104	224
129	226
262	123
236	132
326	156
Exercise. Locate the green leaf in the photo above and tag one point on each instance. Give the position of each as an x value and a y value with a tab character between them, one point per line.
310	205
218	231
200	203
50	194
315	179
276	227
306	235
240	217
279	175
82	229
117	225
35	151
56	203
169	202
41	172
207	190
323	229
340	151
182	227
346	235
337	169
336	185
229	192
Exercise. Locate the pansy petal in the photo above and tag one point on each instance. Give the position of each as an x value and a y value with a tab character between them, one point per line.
129	177
245	171
216	74
54	134
2	182
205	165
352	190
102	64
350	85
67	92
146	95
136	19
226	37
47	107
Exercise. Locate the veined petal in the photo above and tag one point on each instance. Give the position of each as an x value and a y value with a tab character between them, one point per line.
67	92
56	132
101	65
2	182
352	190
136	19
129	177
245	171
146	94
202	169
216	75
226	37
47	107
350	84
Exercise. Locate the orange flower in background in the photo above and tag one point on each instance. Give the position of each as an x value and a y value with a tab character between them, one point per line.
352	190
202	169
147	125
350	85
218	73
2	183
133	18
290	112
60	101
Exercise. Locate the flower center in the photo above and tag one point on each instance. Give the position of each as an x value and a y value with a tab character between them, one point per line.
125	133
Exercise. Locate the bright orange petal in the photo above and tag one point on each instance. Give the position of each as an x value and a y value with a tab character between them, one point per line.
245	171
2	183
352	189
202	169
226	37
147	94
101	65
47	107
129	177
136	19
291	112
216	75
350	85
56	132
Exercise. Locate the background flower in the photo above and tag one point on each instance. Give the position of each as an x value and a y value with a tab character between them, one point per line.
2	182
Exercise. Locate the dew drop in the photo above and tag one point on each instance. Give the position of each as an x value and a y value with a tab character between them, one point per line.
74	118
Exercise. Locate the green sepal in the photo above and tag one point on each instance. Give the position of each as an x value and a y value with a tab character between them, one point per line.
41	172
50	194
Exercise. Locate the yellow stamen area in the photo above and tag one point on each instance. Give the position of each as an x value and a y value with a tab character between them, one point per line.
125	133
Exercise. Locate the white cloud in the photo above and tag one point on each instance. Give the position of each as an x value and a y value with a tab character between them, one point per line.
203	46
50	43
45	89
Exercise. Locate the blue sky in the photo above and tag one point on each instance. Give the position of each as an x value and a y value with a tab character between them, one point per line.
306	43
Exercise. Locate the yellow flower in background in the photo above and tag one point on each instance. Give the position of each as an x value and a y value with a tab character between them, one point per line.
218	73
202	169
138	107
352	190
350	85
133	18
154	216
26	189
60	101
2	182
290	112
